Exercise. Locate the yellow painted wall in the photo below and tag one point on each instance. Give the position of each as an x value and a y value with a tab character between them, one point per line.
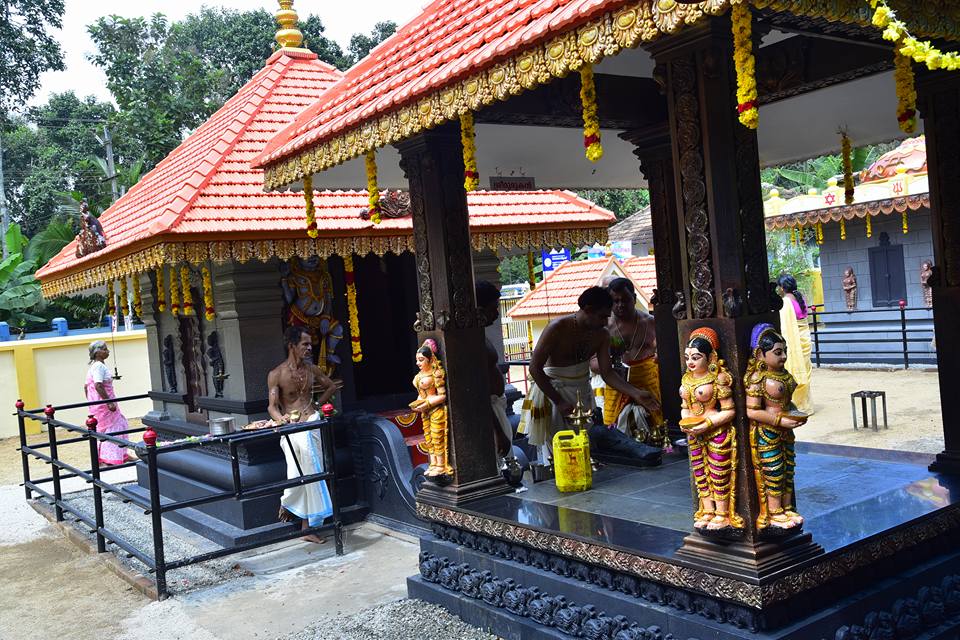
53	370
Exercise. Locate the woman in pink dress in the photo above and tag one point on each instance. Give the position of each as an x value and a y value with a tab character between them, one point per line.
99	386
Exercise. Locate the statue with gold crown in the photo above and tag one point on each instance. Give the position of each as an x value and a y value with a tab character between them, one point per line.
308	291
773	417
431	403
707	414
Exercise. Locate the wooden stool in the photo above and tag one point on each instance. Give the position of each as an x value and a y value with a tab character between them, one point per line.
872	395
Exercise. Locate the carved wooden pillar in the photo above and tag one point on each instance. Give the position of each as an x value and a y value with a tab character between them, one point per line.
433	164
724	282
652	147
939	102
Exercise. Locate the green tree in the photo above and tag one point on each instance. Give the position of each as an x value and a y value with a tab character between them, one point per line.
622	202
27	49
19	291
361	44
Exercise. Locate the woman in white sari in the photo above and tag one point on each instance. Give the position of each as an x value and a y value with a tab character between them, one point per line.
796	331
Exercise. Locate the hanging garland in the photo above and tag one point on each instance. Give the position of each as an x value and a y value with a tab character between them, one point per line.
906	93
843	229
591	121
793	236
920	51
869	227
111	303
161	294
354	316
174	292
471	177
819	233
531	276
903	221
311	211
137	300
849	190
374	192
208	311
185	289
746	65
124	300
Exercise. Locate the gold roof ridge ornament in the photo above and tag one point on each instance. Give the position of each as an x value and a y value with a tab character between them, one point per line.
288	35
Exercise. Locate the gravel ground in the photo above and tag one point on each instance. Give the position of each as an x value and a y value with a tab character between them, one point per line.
403	620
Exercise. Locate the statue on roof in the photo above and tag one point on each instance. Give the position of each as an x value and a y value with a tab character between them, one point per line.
91	237
308	292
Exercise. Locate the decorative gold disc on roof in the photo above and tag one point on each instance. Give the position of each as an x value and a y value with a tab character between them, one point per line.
288	36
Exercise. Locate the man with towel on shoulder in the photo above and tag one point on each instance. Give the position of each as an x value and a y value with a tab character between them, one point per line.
560	368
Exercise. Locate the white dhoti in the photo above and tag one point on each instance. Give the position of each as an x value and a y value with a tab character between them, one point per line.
633	419
540	419
310	502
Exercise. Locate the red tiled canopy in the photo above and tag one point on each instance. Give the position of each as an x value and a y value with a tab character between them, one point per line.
557	294
205	201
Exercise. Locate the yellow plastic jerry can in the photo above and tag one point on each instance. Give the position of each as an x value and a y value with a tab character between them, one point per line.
571	461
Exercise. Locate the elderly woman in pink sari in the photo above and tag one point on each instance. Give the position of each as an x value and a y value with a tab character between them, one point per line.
99	386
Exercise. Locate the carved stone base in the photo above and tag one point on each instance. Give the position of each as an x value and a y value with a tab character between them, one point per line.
749	560
456	495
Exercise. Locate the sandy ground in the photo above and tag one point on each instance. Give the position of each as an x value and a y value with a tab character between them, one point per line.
913	410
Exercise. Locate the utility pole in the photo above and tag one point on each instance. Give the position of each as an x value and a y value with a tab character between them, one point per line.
4	212
108	143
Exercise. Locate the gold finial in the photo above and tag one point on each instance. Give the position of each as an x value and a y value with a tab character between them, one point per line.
288	36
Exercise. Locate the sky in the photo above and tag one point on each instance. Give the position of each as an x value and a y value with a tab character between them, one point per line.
341	19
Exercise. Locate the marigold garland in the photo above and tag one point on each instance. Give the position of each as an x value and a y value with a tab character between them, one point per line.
903	221
747	110
137	299
185	290
531	275
354	316
591	120
471	177
372	190
920	51
174	292
847	153
161	293
869	227
311	211
843	229
208	311
793	236
111	303
906	93
124	299
819	233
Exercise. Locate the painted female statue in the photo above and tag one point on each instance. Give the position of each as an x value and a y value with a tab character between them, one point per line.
707	414
773	418
431	403
796	331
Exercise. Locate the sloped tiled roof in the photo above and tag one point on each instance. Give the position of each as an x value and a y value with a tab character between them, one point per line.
205	190
635	228
557	294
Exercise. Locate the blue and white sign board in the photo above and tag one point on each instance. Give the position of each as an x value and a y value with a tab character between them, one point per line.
553	259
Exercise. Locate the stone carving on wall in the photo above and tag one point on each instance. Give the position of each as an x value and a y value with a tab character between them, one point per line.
849	284
308	292
217	367
169	364
426	320
926	282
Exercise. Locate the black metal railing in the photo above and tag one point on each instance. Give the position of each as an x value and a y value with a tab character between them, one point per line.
149	451
906	336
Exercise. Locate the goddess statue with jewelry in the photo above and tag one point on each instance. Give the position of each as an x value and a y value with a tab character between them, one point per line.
431	403
773	417
707	414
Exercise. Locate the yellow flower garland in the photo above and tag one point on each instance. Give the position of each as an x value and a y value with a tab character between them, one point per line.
208	311
372	189
111	303
847	152
819	233
311	211
185	290
174	292
471	177
354	316
843	229
903	220
906	93
746	65
920	51
137	299
161	293
124	300
591	121
793	236
531	276
869	227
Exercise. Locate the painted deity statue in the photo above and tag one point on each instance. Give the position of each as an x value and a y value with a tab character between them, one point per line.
431	403
926	272
91	237
773	418
849	284
308	291
707	413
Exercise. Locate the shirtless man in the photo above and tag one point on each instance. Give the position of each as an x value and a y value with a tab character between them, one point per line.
634	343
291	387
560	367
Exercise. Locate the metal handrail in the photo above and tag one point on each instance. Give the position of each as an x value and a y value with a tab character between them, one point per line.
904	340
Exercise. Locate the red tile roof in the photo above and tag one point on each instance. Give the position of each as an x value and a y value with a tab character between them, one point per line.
447	42
205	189
557	294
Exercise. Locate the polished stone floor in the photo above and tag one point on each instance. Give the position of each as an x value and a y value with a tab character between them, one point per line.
844	499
